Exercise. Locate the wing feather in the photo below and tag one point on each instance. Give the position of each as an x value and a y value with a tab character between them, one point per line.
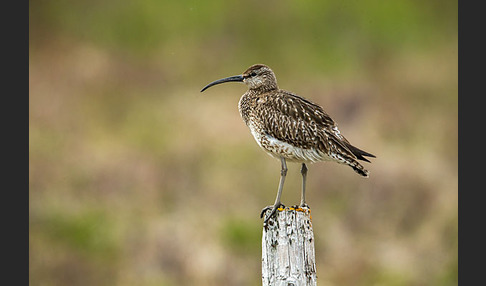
295	120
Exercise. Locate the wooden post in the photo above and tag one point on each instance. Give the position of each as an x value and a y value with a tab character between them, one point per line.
288	257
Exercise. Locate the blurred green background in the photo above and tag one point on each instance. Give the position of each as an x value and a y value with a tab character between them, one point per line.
136	178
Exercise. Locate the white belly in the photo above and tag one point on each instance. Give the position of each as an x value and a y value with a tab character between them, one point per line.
278	149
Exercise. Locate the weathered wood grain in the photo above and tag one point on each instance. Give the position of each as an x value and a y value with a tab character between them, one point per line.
288	256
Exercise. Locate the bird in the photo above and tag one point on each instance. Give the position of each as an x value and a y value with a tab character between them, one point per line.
291	128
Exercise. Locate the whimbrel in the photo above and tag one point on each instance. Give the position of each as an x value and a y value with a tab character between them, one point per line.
290	127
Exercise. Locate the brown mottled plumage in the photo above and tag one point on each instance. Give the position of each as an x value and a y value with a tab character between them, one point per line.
290	127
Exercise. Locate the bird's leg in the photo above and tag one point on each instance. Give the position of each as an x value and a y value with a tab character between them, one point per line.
277	203
303	171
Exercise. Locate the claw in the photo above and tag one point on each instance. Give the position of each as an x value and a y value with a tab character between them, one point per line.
274	209
304	205
264	210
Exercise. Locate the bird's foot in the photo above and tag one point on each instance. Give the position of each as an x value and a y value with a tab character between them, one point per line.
304	205
301	206
274	209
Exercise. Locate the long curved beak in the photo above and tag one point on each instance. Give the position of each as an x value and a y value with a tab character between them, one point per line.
223	80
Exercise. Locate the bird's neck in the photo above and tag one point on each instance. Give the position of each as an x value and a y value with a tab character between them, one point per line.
264	88
245	104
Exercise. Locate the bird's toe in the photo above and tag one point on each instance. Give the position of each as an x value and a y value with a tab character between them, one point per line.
273	210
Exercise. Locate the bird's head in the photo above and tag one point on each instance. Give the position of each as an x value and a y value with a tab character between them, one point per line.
256	77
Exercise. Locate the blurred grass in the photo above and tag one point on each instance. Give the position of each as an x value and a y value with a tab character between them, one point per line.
138	179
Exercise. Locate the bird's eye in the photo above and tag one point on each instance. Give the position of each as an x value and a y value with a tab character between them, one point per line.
253	74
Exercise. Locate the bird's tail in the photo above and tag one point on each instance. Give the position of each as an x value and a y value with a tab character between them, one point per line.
360	154
358	168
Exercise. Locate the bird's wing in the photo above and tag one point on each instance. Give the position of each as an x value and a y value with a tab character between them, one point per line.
300	122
